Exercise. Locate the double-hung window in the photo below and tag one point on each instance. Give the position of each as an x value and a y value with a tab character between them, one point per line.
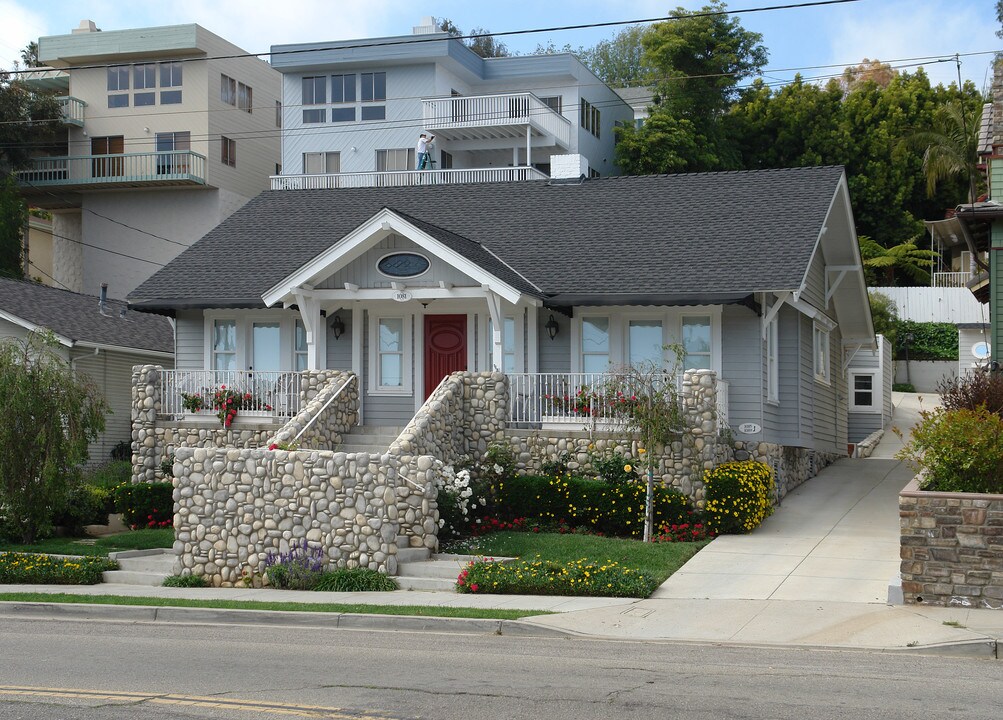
390	361
864	396
696	337
299	347
374	90
118	81
595	344
171	75
821	353
144	77
319	163
314	93
224	345
772	361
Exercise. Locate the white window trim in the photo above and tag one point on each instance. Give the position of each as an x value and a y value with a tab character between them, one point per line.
876	392
407	365
621	315
823	375
714	339
245	320
773	363
487	342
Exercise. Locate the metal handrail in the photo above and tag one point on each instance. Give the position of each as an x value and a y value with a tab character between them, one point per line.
320	412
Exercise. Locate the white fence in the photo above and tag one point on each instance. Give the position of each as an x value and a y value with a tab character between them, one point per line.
259	394
951	279
404	178
935	304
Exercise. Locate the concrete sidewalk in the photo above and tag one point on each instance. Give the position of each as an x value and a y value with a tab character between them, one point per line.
815	574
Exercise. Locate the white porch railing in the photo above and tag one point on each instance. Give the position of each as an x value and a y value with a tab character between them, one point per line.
951	279
404	178
581	399
73	110
273	394
496	110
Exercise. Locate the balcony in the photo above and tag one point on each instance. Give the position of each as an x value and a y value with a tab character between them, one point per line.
951	279
405	178
92	172
73	110
189	393
481	118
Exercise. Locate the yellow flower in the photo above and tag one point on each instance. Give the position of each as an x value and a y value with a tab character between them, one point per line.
626	468
641	451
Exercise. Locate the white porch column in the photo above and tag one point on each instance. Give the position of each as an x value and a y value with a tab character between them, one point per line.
316	331
529	146
497	324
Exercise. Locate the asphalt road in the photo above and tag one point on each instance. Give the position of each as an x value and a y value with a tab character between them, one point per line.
96	670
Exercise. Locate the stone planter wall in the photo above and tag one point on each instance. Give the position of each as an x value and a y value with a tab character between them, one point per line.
952	548
154	437
234	506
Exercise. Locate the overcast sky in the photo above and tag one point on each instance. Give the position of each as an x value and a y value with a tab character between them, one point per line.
890	30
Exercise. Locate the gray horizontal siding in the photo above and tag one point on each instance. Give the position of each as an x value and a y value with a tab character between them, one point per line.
742	366
806	381
861	425
554	355
339	352
781	421
363	272
393	410
190	340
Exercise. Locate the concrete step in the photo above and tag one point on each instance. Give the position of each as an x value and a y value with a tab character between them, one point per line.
132	577
158	564
410	554
406	582
356	448
445	569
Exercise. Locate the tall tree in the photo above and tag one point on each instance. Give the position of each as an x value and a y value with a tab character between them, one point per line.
478	39
873	71
905	259
699	58
950	148
619	61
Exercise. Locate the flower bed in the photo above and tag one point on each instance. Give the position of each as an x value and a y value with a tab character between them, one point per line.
30	569
589	578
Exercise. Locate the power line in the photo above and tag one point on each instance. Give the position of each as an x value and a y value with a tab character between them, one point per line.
350	45
98	247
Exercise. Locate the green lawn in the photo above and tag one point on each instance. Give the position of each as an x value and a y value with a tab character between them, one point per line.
132	540
357	609
655	560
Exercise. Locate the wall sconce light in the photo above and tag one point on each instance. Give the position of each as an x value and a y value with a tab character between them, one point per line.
552	327
337	327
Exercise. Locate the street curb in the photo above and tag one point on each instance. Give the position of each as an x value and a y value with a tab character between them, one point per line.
220	616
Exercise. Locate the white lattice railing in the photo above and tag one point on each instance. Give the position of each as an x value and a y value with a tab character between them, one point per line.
273	394
581	398
494	110
404	178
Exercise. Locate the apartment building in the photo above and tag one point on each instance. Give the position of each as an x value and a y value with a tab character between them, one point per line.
169	130
355	108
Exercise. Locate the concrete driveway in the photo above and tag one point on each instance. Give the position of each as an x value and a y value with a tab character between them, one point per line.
835	538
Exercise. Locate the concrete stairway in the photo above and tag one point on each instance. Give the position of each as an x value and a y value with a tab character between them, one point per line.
420	569
141	567
372	439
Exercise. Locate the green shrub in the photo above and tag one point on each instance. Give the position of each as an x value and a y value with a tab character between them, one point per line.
85	505
738	496
298	569
590	578
960	450
28	569
903	387
354	580
146	505
186	581
601	507
930	341
109	476
614	468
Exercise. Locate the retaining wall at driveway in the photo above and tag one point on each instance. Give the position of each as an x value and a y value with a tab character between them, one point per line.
952	548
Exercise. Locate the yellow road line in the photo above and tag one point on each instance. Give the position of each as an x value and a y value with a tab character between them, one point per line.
317	711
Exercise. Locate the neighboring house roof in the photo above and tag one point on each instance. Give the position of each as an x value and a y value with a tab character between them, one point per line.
77	319
702	237
638	98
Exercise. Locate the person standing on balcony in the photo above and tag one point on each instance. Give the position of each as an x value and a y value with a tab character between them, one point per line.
423	155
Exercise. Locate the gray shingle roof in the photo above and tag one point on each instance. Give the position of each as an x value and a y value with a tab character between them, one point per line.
699	234
78	317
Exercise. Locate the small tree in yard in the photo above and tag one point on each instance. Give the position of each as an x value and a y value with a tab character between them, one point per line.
644	399
47	418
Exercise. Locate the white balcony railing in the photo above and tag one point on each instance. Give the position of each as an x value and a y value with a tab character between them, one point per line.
272	394
150	168
951	279
404	178
73	110
583	399
496	111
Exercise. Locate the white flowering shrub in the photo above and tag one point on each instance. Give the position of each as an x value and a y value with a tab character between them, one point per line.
456	502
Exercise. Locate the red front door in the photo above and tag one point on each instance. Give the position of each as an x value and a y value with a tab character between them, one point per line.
445	348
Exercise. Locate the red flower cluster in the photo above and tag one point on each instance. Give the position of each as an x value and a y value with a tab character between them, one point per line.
683	532
461	580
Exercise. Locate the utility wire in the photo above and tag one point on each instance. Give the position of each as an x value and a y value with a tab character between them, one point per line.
351	45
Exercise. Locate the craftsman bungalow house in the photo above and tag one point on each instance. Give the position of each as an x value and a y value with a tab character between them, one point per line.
756	275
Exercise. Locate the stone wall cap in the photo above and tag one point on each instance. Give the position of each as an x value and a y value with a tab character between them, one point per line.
911	490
